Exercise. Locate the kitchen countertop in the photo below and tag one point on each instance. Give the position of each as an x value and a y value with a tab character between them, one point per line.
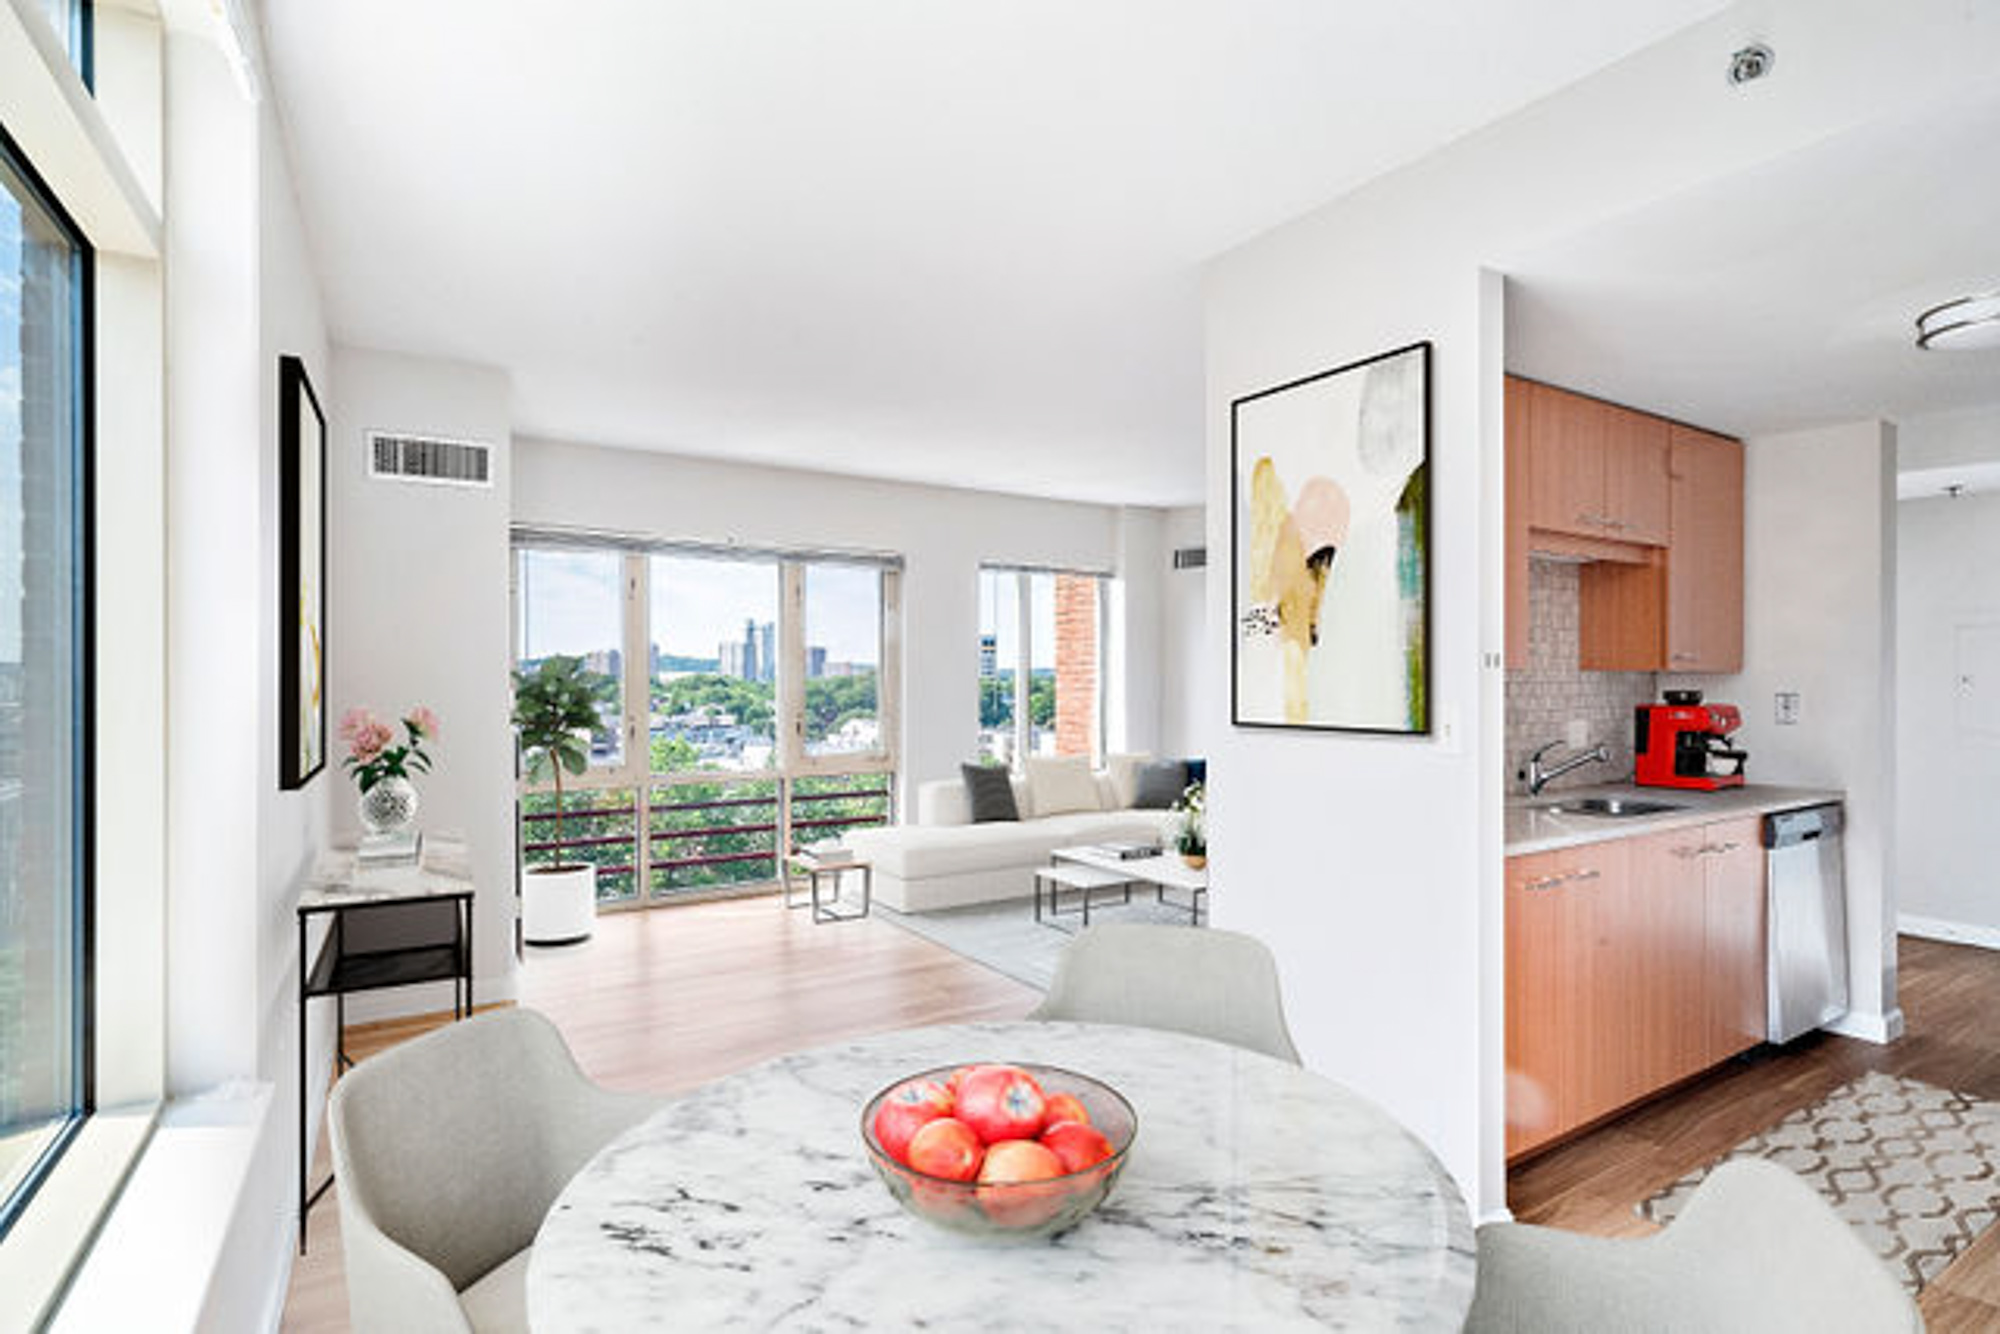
1533	828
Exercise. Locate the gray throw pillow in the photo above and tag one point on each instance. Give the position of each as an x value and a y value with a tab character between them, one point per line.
1160	785
989	792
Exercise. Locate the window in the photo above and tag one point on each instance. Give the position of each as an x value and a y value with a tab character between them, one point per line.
72	21
45	1030
1041	636
757	683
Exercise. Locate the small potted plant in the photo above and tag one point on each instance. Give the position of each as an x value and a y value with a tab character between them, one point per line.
1191	835
381	767
555	710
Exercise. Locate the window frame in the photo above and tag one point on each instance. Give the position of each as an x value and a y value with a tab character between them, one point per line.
83	722
1023	668
791	762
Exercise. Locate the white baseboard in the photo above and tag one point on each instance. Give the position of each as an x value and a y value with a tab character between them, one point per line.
1958	933
1494	1216
1876	1028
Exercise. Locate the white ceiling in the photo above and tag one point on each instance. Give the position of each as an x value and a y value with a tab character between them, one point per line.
946	242
1785	298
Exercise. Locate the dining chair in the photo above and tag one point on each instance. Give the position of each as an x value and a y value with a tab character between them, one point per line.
1198	980
1756	1249
449	1150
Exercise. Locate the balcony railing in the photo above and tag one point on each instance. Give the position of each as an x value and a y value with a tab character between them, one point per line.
702	835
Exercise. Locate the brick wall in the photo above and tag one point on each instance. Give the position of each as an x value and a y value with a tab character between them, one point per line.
1076	664
1543	697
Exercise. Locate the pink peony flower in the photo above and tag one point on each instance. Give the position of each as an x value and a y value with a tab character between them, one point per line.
369	741
422	721
353	721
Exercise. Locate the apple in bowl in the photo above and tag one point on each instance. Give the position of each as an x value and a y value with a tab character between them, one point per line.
999	1150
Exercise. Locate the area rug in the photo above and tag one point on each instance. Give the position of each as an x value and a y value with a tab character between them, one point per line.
1006	937
1912	1168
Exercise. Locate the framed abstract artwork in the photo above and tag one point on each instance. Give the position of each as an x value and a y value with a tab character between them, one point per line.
301	577
1330	503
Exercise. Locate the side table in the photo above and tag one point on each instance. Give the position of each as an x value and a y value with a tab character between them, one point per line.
827	871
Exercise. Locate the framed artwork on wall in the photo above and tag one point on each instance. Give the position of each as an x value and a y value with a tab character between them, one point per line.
301	577
1330	513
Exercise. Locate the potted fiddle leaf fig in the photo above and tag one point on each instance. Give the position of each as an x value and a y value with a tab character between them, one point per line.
555	711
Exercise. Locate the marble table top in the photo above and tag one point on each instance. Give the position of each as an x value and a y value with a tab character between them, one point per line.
339	880
1257	1196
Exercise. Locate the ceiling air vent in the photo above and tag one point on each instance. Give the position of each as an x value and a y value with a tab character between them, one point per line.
427	458
1190	558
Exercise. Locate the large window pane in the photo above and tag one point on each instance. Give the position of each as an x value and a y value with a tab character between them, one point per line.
572	604
71	20
42	778
999	656
843	659
714	632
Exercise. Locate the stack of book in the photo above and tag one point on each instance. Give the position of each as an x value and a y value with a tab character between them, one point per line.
380	851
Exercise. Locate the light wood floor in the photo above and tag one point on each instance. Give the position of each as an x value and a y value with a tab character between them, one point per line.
668	999
1949	995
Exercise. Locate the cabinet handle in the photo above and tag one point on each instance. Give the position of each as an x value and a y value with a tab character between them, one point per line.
1687	853
1721	848
1583	875
1619	524
1683	657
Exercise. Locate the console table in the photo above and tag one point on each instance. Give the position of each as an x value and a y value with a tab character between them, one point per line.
386	926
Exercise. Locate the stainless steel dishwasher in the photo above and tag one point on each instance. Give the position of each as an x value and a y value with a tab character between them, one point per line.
1806	932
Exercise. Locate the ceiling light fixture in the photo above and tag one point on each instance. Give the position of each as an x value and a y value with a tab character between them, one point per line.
1753	62
1970	323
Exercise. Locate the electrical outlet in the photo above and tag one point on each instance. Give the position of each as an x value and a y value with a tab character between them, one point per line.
1579	733
1787	710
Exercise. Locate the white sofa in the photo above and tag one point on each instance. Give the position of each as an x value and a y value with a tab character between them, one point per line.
946	861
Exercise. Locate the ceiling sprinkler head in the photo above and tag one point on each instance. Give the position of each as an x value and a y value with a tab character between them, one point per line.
1955	489
1753	62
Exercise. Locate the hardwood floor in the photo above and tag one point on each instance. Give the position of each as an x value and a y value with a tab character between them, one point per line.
669	999
1949	995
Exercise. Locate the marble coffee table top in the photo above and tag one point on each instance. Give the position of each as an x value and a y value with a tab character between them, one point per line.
1257	1196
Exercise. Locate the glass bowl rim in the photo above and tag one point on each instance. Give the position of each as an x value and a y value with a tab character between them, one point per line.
881	1154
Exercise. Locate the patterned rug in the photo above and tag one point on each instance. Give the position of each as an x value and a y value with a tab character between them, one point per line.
1913	1169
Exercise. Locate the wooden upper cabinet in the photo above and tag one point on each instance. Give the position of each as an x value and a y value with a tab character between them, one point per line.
1636	448
1705	554
1566	461
1518	447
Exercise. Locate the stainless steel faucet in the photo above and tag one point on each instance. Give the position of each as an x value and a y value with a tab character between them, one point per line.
1539	778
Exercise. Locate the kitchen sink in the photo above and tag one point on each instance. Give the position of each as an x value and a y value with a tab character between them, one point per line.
1612	807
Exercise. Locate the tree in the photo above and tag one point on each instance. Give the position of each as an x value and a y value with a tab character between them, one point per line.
555	710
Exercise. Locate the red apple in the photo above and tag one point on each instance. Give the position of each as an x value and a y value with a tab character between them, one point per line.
907	1109
1001	1102
946	1147
1015	1183
1065	1107
1076	1144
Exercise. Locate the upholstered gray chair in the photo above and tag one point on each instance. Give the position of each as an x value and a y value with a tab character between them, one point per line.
1754	1250
448	1151
1213	984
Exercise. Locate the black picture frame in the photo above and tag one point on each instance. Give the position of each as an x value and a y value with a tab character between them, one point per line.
302	731
1424	722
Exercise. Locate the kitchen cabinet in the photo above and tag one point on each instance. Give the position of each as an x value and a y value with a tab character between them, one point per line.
1631	965
1654	511
1704	571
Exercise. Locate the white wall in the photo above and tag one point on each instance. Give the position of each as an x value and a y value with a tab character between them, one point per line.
1943	439
1947	765
1188	703
1819	618
1373	865
944	536
1131	696
417	614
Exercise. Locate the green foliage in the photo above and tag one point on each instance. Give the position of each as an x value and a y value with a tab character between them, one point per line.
833	700
751	702
555	710
996	700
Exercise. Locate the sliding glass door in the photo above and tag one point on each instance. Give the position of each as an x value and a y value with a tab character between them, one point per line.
753	710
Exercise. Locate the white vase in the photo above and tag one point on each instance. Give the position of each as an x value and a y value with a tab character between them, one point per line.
389	807
558	904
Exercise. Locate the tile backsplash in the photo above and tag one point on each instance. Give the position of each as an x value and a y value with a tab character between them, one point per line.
1551	691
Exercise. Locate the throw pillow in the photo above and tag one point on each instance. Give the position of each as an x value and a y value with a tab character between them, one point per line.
989	793
1062	784
1160	785
1124	772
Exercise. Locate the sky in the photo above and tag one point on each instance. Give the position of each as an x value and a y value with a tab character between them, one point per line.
999	615
570	603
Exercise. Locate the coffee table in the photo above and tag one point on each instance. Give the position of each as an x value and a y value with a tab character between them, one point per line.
1163	871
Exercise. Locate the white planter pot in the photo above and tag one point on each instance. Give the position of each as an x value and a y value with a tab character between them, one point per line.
558	907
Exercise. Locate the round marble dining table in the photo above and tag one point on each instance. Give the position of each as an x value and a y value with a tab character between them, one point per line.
1257	1196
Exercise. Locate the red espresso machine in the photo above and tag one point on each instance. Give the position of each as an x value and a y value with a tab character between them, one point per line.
1686	743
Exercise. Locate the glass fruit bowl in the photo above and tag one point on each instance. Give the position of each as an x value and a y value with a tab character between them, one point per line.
999	1207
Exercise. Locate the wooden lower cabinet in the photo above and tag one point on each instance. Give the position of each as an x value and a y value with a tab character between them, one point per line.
1631	964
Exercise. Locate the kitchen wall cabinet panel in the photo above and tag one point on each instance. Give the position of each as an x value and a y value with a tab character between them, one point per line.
1636	478
1704	578
1518	443
1566	461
